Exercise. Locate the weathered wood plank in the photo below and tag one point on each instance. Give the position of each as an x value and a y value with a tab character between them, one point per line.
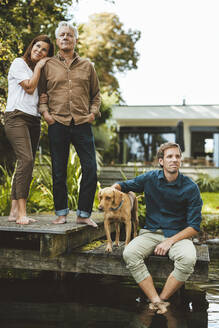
202	250
41	247
53	245
96	261
27	259
49	239
44	224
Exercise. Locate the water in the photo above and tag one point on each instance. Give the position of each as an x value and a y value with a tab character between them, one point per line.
86	301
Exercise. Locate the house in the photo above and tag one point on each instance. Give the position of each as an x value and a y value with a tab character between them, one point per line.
143	128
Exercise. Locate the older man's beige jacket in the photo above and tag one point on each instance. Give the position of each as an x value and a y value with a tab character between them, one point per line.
73	92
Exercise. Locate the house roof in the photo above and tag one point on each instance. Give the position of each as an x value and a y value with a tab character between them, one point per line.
138	115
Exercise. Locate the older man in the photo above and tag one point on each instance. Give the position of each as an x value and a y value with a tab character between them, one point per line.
72	87
173	216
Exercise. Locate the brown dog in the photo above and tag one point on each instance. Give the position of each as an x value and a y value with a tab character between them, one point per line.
118	207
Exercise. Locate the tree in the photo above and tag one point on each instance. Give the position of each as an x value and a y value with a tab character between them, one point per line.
32	17
10	46
20	22
103	40
110	47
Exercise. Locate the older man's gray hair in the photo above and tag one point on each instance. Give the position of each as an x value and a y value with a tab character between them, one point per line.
63	23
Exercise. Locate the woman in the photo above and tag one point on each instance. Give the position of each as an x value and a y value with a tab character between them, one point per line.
22	120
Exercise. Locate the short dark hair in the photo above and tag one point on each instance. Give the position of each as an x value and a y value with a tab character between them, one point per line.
167	145
41	37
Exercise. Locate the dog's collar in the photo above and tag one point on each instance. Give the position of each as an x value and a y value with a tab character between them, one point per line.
117	208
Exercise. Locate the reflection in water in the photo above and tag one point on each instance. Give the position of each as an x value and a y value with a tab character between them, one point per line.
86	301
213	311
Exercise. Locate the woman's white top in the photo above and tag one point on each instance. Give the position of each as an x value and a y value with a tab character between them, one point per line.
18	98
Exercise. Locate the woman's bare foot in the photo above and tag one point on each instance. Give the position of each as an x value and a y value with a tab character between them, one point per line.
12	218
25	220
87	221
14	211
60	220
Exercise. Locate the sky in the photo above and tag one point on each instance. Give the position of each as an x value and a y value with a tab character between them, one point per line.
179	49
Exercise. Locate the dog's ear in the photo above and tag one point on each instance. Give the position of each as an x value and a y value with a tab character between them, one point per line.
114	197
118	195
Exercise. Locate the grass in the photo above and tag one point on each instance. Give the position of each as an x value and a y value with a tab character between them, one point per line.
210	202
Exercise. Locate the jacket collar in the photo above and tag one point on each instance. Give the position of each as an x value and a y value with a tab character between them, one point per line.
177	182
75	58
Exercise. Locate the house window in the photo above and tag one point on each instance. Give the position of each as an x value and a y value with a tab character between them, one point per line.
204	144
142	147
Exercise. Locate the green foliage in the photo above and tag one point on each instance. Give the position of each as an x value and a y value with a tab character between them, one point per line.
209	226
107	101
40	195
7	158
107	143
20	22
11	46
210	202
110	47
5	191
34	17
44	139
141	199
103	40
73	179
207	183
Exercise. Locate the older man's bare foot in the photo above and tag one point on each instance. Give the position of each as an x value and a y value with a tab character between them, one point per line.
60	220
25	220
87	221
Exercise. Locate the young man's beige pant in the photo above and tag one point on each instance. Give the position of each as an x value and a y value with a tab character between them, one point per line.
183	253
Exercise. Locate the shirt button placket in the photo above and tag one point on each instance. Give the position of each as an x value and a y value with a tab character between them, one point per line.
70	91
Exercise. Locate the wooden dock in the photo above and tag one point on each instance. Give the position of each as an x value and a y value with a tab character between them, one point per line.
48	239
76	248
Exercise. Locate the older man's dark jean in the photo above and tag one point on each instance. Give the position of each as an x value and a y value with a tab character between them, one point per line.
60	138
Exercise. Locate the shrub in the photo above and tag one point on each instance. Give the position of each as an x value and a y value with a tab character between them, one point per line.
207	183
209	226
141	199
5	191
210	203
40	197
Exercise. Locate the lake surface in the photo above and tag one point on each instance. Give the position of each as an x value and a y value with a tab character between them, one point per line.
87	301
